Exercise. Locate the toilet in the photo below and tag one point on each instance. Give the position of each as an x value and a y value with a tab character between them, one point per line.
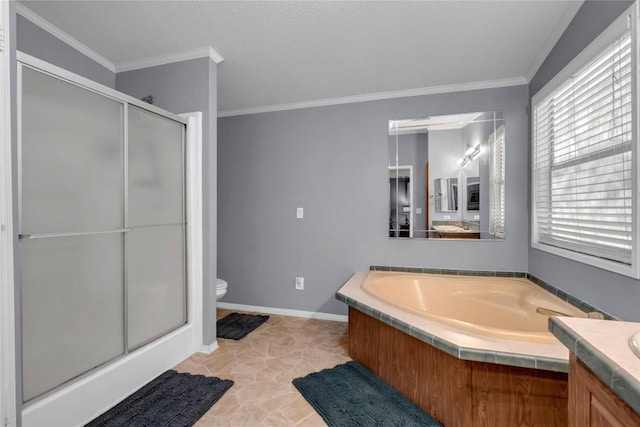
221	288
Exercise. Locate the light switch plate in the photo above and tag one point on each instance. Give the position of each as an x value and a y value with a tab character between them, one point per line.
299	213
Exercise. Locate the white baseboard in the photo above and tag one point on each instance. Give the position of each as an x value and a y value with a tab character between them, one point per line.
83	400
208	349
284	312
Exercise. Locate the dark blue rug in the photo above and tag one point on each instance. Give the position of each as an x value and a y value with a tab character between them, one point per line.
236	326
171	400
349	395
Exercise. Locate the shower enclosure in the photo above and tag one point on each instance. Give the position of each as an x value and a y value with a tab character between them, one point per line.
102	227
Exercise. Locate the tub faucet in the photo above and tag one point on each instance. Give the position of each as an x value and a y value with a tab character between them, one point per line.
550	312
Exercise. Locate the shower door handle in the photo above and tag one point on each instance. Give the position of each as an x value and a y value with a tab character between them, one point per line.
79	233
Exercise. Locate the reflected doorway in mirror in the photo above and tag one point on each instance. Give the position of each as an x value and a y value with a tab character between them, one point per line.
401	201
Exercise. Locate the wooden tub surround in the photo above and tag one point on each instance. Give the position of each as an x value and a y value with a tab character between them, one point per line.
458	393
460	378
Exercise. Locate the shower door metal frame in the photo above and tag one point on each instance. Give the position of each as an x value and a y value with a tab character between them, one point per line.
8	407
70	78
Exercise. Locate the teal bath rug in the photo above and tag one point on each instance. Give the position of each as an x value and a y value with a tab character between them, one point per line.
236	326
171	400
349	395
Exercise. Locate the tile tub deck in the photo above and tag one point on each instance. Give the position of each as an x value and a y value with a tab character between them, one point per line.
460	344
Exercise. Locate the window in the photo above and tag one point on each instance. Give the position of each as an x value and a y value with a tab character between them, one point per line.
583	158
496	184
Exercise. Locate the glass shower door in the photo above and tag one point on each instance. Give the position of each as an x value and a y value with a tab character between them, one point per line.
71	231
156	282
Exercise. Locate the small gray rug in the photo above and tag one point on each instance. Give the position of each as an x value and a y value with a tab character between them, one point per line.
349	395
171	400
236	326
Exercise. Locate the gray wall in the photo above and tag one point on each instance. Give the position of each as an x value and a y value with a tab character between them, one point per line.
619	295
37	42
333	161
183	87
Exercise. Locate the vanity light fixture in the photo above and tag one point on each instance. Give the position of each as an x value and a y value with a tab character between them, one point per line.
469	154
472	151
462	161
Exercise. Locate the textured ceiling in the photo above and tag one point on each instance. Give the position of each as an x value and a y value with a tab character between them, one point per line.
282	52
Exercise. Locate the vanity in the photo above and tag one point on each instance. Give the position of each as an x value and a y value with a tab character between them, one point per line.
453	232
604	371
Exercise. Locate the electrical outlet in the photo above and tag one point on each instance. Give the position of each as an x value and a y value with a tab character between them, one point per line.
299	213
299	283
447	217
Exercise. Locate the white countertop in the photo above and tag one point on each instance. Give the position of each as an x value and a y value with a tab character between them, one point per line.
603	346
452	229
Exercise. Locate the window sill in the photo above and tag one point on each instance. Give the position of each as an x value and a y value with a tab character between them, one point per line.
604	264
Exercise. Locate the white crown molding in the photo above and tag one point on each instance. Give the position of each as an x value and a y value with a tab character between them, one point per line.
554	36
58	33
36	19
284	312
488	84
185	55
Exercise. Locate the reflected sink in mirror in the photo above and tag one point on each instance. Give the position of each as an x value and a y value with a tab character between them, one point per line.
634	343
446	176
450	228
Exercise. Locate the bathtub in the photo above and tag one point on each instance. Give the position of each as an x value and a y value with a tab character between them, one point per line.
469	350
476	318
498	307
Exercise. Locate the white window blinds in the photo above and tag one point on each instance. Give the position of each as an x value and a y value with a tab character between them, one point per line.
582	136
496	179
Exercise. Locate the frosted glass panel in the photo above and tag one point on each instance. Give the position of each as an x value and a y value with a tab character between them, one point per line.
155	169
72	157
72	307
155	282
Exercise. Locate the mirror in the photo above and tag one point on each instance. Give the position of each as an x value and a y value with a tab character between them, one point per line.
446	194
446	176
473	193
